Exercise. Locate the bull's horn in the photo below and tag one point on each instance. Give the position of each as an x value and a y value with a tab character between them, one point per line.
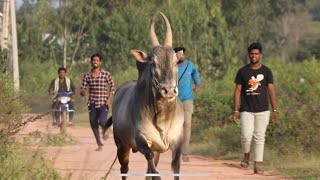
168	40
153	36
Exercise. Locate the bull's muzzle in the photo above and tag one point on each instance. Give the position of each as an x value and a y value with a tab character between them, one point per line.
169	91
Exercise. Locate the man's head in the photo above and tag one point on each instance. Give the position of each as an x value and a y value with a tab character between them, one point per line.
181	50
96	61
255	52
62	71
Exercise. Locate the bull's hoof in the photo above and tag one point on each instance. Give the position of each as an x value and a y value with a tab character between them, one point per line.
156	178
153	177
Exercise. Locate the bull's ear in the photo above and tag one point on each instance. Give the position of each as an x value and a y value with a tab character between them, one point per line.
139	55
179	54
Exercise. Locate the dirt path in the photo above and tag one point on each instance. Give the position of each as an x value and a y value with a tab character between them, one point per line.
81	161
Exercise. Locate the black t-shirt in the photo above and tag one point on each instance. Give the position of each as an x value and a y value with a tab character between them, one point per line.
254	92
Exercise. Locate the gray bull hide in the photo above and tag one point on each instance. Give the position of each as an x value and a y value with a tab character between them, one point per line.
147	114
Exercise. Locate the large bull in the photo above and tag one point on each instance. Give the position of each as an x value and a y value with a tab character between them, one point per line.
147	114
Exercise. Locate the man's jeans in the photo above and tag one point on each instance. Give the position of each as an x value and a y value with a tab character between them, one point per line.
97	116
188	110
254	125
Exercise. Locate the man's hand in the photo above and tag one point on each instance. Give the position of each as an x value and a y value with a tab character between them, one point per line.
109	101
51	92
274	117
196	88
83	93
236	116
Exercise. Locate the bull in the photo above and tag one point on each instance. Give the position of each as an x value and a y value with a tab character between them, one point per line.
147	115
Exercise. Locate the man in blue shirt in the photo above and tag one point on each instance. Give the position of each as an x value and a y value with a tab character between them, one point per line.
186	72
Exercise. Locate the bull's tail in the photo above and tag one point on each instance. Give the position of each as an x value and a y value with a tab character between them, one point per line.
107	125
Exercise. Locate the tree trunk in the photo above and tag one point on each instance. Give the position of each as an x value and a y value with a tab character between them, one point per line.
65	44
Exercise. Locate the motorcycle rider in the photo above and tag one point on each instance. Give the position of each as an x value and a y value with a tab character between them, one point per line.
62	84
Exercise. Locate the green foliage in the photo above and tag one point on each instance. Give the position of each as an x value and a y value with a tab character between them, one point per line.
134	34
298	99
20	163
304	166
11	109
203	31
17	162
35	80
61	140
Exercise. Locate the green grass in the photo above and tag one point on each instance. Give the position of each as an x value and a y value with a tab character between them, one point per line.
17	161
61	140
298	164
219	143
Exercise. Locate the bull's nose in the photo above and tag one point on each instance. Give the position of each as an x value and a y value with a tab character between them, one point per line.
169	91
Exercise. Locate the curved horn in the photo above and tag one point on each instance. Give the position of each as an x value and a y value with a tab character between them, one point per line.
168	40
153	36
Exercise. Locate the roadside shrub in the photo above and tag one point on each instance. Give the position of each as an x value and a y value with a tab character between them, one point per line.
17	162
11	109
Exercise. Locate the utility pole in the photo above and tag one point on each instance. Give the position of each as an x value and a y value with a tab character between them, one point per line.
14	43
9	40
4	38
5	25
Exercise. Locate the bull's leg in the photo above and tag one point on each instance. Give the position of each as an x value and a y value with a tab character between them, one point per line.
123	153
156	160
176	158
143	147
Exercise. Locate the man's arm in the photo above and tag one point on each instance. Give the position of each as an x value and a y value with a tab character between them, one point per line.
196	79
83	86
236	102
273	100
111	91
51	88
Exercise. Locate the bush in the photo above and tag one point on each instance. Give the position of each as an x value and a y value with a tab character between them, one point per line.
21	163
11	109
17	162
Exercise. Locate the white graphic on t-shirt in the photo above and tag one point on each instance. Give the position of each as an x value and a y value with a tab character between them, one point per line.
255	82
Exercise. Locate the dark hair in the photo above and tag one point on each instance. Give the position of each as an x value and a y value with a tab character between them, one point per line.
176	49
96	55
255	45
62	69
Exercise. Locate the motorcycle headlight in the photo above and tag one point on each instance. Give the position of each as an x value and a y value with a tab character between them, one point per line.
64	99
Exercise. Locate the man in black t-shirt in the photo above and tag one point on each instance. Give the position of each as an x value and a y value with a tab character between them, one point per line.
254	88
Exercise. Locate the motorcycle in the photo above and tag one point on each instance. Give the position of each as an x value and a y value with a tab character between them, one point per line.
62	110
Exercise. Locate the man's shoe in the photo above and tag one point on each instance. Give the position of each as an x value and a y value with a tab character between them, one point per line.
244	164
99	146
258	171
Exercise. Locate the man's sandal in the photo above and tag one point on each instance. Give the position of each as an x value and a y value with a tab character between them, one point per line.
244	164
258	171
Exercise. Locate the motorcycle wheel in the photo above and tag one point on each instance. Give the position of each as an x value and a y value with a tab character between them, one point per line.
64	121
